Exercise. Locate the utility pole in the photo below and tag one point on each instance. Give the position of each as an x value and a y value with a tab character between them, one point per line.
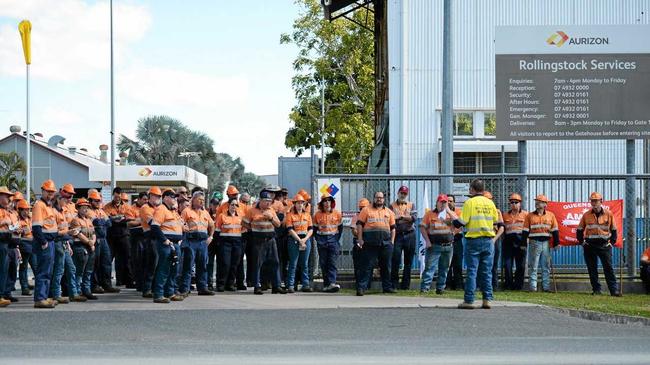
447	131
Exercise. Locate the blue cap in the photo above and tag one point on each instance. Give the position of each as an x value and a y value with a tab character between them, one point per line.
265	195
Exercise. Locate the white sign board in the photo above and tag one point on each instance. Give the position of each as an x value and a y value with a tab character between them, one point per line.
331	187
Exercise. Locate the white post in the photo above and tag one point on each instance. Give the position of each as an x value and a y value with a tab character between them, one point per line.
28	176
322	126
112	107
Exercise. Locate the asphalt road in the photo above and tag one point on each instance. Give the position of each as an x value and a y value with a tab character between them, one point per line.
426	335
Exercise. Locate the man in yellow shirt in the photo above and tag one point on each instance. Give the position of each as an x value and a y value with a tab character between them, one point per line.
480	218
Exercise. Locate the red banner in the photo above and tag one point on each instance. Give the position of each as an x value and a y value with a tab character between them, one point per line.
569	214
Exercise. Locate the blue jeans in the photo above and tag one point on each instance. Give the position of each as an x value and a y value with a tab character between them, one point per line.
29	259
43	274
4	264
479	253
437	257
298	258
84	262
539	251
103	264
194	251
328	253
12	272
63	264
165	279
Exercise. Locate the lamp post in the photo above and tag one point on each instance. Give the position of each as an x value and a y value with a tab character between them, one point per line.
25	29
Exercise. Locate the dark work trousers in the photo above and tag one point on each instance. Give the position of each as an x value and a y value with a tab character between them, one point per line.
230	250
137	257
29	259
103	265
265	251
281	240
241	277
359	262
12	272
313	262
329	250
121	252
382	253
592	253
150	262
495	264
213	249
513	256
455	273
404	243
250	262
645	276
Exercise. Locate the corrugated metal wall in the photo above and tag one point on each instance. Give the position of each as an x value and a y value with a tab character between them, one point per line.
415	71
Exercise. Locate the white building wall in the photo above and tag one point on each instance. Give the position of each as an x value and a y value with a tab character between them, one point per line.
415	76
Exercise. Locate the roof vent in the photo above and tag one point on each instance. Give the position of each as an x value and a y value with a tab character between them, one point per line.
55	140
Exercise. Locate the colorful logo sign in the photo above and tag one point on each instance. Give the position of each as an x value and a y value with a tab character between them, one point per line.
329	189
145	171
557	39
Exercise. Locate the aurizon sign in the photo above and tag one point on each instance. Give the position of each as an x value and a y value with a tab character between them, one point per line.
146	172
559	38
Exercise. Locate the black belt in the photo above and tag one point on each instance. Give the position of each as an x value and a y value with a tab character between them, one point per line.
405	232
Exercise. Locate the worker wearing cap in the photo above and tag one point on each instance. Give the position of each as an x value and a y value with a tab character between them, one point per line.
136	236
118	237
103	259
44	229
25	245
7	227
261	220
455	274
83	248
645	269
480	218
500	229
244	204
67	192
514	246
358	258
63	263
167	233
195	245
299	225
597	233
437	230
376	236
328	224
154	196
405	217
229	229
539	227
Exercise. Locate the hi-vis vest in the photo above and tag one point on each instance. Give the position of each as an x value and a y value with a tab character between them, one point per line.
540	227
439	231
298	222
197	220
229	225
597	227
514	223
479	216
403	210
327	224
377	224
260	225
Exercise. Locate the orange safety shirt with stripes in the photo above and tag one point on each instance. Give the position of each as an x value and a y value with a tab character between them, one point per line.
146	215
61	223
514	222
597	227
84	225
259	224
7	219
197	220
327	224
168	221
229	225
69	211
25	226
377	224
404	210
439	230
540	227
43	217
300	223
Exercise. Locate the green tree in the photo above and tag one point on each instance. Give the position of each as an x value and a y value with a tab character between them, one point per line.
12	171
160	140
340	56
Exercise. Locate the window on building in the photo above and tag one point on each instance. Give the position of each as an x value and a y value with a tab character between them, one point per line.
490	124
491	162
463	124
464	163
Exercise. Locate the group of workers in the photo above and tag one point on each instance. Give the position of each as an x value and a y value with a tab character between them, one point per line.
166	241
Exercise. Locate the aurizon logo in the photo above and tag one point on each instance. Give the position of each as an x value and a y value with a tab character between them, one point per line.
144	172
557	39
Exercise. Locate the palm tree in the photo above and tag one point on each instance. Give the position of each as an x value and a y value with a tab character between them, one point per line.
12	171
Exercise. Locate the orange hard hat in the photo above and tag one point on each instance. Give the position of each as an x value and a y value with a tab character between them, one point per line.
4	190
232	190
18	196
154	190
81	202
298	198
94	195
305	194
48	185
68	188
595	196
124	197
488	195
541	198
22	204
515	196
363	202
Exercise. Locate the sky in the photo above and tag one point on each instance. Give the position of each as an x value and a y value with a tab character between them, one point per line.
215	65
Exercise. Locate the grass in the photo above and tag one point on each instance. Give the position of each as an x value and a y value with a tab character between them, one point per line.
630	304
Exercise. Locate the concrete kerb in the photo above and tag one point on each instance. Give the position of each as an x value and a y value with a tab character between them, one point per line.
601	317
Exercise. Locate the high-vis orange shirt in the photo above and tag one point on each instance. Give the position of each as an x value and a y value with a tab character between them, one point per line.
439	230
113	209
85	226
377	224
7	219
169	223
133	214
146	215
259	224
514	222
229	225
404	210
43	216
61	223
25	226
69	211
327	224
597	227
298	222
540	226
197	220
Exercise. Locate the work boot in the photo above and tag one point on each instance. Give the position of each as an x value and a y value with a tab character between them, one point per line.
52	301
147	294
90	296
597	292
440	291
162	300
465	305
176	298
26	292
62	300
390	291
186	294
242	287
98	290
221	289
306	289
78	298
424	291
112	289
258	291
290	290
231	288
206	292
486	304
4	302
360	292
11	298
44	304
617	294
278	290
